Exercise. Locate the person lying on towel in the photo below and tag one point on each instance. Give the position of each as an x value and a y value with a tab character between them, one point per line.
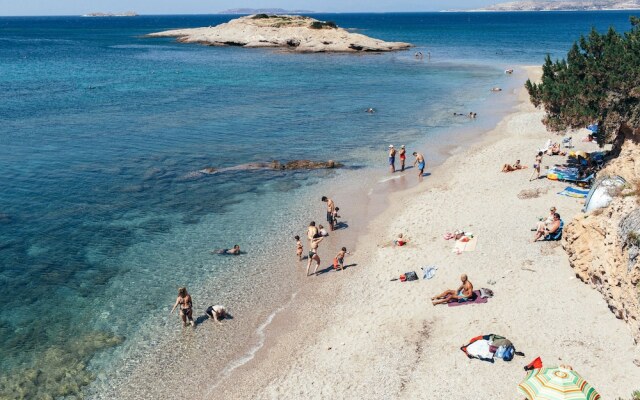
463	293
514	167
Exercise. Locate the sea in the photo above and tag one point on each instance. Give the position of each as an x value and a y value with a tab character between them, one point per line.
104	212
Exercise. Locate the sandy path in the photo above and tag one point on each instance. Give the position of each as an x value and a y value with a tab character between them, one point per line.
362	336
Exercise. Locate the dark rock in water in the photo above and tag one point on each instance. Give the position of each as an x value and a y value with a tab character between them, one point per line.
5	218
306	164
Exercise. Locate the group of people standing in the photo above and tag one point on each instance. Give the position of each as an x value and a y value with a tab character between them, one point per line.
402	153
316	234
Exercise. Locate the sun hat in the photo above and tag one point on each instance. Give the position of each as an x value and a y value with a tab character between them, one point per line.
390	146
402	146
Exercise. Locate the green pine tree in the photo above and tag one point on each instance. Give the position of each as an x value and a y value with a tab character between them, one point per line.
598	82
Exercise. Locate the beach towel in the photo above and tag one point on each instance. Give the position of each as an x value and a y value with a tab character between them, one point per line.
429	271
477	299
465	244
573	192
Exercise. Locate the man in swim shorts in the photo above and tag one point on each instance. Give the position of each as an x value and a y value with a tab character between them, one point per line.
392	158
330	209
420	162
463	293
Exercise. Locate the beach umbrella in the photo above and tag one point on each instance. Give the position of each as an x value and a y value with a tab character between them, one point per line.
556	384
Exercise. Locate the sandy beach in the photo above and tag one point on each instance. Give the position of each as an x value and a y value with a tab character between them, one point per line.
356	334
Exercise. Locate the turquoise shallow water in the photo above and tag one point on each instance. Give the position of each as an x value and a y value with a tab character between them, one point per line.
101	216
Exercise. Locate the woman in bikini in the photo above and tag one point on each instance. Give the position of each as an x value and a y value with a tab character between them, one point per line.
186	307
403	157
313	253
536	167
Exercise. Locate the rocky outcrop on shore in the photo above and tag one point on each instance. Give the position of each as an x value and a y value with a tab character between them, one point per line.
291	32
604	246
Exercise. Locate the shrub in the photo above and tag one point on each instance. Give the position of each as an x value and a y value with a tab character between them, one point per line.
598	82
260	16
322	25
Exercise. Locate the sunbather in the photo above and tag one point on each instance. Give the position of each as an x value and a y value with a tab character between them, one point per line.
463	293
554	150
400	241
551	229
514	167
546	223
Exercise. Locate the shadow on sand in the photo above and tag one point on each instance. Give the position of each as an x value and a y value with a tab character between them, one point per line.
330	268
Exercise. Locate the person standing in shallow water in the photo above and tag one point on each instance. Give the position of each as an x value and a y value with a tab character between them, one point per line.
420	162
186	307
403	157
392	158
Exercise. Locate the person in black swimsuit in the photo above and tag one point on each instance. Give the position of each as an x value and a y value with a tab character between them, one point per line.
186	307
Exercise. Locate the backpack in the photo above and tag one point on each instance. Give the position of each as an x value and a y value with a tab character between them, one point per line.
409	276
498	347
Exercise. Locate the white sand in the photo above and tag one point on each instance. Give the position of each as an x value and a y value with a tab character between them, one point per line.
356	335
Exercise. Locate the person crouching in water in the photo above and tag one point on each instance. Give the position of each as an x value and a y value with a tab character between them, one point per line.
186	307
216	313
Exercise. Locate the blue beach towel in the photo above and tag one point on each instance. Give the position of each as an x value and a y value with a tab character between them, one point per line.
573	192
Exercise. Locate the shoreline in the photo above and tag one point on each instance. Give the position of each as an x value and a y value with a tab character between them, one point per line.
372	191
285	370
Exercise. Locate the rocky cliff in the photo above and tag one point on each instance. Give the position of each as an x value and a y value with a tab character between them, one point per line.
604	246
291	32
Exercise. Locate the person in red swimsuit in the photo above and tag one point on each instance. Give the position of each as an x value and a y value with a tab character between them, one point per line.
403	157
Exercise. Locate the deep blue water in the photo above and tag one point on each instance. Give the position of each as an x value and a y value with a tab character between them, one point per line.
101	130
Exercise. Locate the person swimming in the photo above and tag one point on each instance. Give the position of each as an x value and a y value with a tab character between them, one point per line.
235	251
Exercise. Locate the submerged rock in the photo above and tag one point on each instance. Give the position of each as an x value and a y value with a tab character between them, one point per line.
292	32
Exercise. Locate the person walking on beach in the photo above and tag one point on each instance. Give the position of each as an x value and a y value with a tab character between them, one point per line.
330	209
392	158
313	254
420	162
299	247
536	166
403	157
186	307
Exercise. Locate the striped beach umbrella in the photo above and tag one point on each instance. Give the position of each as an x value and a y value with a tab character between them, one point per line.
556	384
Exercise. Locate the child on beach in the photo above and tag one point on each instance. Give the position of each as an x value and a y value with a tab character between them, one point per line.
335	216
322	231
400	241
338	262
299	247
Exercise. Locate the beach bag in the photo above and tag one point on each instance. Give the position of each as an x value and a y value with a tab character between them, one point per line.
409	276
488	347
